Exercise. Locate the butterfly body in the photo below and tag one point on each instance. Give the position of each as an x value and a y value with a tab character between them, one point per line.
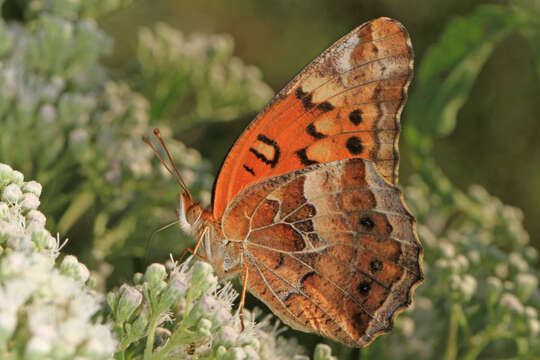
305	207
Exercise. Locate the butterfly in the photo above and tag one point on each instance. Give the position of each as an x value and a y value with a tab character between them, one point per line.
305	207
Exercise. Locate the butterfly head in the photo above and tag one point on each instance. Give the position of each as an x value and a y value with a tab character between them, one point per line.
189	212
193	218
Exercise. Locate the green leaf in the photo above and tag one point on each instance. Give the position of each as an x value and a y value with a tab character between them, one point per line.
449	69
79	205
529	13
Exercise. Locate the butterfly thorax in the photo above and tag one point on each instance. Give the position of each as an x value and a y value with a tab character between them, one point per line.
216	249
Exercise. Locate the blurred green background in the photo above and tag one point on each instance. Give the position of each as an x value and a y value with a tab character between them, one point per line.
497	139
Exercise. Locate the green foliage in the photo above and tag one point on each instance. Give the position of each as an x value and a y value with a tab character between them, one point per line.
69	124
449	69
196	78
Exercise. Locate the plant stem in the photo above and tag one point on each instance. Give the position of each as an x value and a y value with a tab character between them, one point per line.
480	341
150	339
451	347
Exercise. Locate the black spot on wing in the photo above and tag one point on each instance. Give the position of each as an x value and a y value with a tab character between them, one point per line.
311	130
354	145
375	265
304	159
300	93
364	288
325	106
305	98
249	170
356	116
266	140
367	223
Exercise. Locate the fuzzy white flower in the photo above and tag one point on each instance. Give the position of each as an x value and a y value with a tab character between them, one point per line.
32	187
512	303
49	303
11	193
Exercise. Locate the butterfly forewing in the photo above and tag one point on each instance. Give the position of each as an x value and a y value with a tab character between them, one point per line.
345	104
331	248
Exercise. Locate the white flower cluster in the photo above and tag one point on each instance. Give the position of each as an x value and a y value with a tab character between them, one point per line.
221	86
186	314
46	311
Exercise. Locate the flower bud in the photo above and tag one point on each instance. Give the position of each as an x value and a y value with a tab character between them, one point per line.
251	354
71	267
7	231
221	352
323	352
29	202
12	193
447	249
99	344
138	278
35	219
234	353
468	286
228	335
511	303
179	283
534	327
40	237
204	328
17	178
170	295
407	326
154	275
129	300
5	175
525	285
32	187
517	262
203	278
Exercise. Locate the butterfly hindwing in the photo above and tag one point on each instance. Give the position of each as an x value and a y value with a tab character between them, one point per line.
330	248
345	104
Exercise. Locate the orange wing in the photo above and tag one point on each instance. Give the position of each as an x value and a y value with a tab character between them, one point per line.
345	104
331	248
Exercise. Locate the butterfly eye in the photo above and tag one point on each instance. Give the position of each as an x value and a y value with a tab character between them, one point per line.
193	213
227	263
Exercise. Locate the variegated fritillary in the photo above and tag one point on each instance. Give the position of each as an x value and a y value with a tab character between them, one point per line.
305	207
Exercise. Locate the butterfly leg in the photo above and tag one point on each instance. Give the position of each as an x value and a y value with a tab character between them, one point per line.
243	296
236	270
194	250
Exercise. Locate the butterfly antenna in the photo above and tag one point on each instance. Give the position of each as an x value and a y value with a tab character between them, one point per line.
147	250
176	174
158	135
